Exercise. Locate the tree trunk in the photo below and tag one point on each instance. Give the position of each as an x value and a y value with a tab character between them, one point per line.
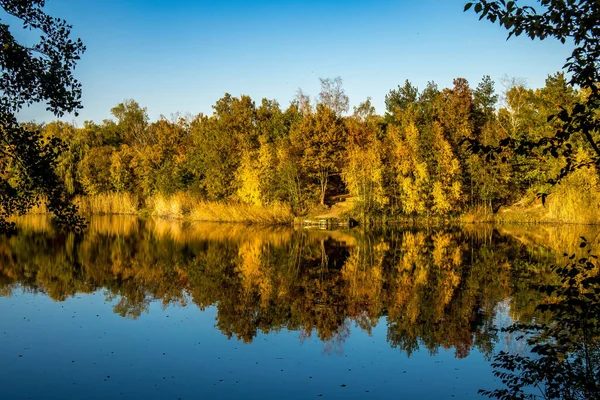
323	178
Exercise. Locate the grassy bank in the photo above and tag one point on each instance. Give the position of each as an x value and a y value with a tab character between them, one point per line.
179	206
569	204
182	206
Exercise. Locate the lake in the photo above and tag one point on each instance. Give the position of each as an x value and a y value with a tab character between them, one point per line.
159	309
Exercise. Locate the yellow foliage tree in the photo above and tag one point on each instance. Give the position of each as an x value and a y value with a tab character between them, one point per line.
256	174
363	171
447	190
412	173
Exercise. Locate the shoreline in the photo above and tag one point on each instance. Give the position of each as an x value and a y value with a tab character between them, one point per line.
186	207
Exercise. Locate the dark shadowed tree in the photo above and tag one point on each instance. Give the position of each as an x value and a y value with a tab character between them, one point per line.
41	72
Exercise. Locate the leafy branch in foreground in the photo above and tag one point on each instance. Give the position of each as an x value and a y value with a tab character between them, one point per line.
41	72
565	360
577	23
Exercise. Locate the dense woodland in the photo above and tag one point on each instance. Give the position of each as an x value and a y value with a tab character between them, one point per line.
412	161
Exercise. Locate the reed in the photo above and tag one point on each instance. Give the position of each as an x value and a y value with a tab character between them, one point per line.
477	214
110	203
177	205
574	204
185	206
239	212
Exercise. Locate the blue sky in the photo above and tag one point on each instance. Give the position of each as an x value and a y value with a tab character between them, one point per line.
181	56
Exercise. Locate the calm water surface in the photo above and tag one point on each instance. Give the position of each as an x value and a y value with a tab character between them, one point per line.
166	310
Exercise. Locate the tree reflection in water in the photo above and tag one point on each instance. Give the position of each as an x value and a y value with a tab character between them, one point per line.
433	288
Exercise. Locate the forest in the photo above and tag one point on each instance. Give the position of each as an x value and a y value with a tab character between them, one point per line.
414	161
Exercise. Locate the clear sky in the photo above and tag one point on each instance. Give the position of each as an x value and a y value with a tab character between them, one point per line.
181	56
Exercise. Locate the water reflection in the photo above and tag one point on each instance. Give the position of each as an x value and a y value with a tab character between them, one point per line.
436	288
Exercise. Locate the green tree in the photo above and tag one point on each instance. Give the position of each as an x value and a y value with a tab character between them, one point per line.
484	103
397	100
74	149
217	144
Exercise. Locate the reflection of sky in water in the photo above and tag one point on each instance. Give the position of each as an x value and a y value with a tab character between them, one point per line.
80	349
513	342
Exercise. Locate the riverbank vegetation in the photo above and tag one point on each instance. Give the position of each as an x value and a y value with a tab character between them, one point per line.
258	162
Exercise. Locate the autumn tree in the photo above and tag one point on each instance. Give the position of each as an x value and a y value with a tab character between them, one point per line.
123	169
258	173
321	137
164	158
290	182
363	165
411	172
95	170
447	191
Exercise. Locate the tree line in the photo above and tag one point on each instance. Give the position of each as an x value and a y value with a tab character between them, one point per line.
415	160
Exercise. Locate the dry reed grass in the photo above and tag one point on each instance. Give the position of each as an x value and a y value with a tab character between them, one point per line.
567	205
108	204
183	205
180	206
575	200
238	212
573	204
